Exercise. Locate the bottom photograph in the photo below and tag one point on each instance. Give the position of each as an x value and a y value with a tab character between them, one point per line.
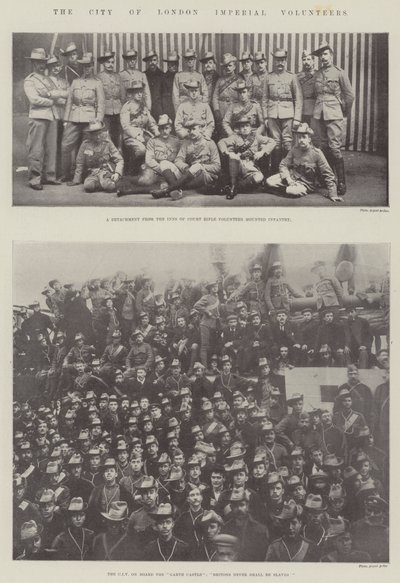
201	402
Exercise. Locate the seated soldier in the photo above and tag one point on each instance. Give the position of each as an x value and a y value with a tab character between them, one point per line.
246	153
194	108
98	164
300	170
246	107
138	126
198	161
160	156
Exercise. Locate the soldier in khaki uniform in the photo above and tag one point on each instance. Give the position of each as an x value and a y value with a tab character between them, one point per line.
131	74
278	291
209	72
247	152
245	107
161	152
194	108
85	104
43	115
114	93
55	71
246	72
224	92
306	79
258	82
334	99
138	126
98	163
179	92
302	169
198	161
285	104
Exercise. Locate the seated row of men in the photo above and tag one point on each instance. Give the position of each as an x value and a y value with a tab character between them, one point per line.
191	478
270	104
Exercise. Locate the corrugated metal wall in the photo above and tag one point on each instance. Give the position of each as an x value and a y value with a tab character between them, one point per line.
364	56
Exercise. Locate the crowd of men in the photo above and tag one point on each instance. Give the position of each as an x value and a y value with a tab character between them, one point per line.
162	132
157	426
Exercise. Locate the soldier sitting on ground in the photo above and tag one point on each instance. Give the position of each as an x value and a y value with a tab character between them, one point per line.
247	154
98	164
300	169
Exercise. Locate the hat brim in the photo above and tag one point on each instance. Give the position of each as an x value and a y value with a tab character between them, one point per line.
113	519
83	509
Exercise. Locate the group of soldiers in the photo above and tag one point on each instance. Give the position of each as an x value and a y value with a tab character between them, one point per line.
158	426
163	132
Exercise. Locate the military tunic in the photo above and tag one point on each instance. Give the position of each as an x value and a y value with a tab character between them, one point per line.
253	294
235	111
161	154
41	142
179	91
278	292
329	293
114	92
305	166
198	111
307	85
203	152
258	87
253	143
334	98
74	544
224	94
285	103
128	76
211	80
138	125
97	161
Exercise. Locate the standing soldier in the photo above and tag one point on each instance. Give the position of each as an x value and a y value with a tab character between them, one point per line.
246	71
245	107
154	78
131	74
258	82
285	104
167	84
85	104
278	291
55	75
253	292
224	92
99	163
71	70
195	109
198	161
138	125
334	99
179	93
328	291
208	306
210	74
306	79
41	142
114	92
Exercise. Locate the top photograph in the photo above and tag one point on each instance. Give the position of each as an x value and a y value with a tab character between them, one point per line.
200	120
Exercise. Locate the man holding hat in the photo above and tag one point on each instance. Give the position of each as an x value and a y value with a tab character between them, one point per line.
224	92
138	126
304	168
285	104
166	547
85	103
179	91
334	99
114	93
209	72
43	115
167	84
155	79
131	73
247	154
75	543
194	108
99	164
198	161
306	79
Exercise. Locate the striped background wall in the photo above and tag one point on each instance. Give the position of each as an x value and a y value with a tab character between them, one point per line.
362	55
